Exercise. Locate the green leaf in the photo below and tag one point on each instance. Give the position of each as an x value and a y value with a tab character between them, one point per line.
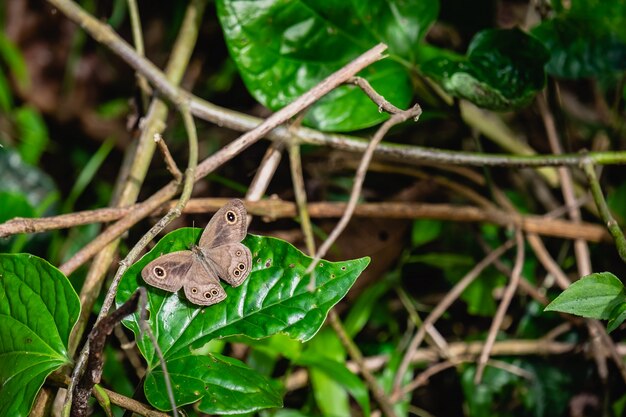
338	372
33	134
424	231
586	42
503	69
593	296
616	317
479	294
282	49
6	99
38	309
11	55
544	392
222	385
399	24
30	181
363	306
331	397
616	200
274	299
14	205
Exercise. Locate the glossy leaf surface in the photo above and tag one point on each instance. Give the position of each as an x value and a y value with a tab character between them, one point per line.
38	308
283	48
273	299
594	296
503	69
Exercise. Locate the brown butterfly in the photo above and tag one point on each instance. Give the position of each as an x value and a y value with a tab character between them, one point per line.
220	254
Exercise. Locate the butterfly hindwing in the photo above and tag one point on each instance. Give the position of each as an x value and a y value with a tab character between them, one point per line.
231	261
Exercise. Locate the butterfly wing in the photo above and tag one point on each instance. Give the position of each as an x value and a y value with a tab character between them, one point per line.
202	286
228	225
168	272
232	262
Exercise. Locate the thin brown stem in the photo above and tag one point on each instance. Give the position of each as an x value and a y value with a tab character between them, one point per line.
273	209
581	249
357	357
265	172
443	305
608	219
224	155
503	307
414	113
297	179
170	164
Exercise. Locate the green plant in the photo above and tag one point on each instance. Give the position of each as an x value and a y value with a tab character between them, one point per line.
470	228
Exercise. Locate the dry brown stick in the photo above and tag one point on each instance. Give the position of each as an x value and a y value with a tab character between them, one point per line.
442	306
502	307
299	190
525	285
117	399
241	122
414	112
170	164
424	376
583	259
273	209
265	172
224	155
95	361
471	350
383	104
381	398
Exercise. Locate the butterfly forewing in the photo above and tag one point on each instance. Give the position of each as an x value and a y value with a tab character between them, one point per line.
220	254
228	225
168	272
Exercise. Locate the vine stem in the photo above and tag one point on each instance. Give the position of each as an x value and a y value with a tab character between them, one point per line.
134	253
509	292
605	212
414	113
225	154
443	305
242	122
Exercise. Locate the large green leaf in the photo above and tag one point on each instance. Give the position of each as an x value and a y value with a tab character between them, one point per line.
581	47
594	296
503	69
221	384
38	309
588	39
273	299
282	48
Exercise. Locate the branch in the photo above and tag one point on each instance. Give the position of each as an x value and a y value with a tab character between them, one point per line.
273	209
242	122
224	155
605	212
414	112
502	307
441	308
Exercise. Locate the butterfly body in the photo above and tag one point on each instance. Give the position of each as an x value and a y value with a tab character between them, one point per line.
219	254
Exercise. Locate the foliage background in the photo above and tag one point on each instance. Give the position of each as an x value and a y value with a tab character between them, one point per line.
69	111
